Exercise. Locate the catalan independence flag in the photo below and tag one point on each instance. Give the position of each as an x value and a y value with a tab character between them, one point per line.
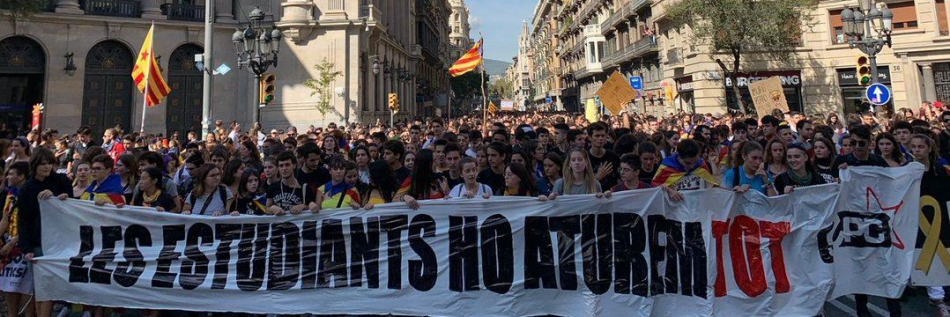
147	75
111	189
671	171
469	61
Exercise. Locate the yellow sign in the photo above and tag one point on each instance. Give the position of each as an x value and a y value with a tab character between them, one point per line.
592	111
616	93
768	95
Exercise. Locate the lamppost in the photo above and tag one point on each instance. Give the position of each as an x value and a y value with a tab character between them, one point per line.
869	29
257	46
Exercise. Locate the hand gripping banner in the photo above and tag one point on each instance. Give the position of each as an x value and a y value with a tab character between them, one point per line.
715	253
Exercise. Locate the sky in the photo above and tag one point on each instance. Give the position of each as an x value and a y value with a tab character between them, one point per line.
500	24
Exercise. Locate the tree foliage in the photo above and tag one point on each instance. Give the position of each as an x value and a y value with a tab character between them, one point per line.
22	8
503	88
320	85
467	85
733	29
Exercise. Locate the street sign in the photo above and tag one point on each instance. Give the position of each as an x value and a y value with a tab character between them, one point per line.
547	100
636	82
878	94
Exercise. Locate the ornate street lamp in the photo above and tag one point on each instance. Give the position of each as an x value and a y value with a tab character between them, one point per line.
256	47
868	28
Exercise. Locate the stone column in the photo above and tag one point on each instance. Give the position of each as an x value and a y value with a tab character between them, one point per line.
930	89
68	7
151	10
224	11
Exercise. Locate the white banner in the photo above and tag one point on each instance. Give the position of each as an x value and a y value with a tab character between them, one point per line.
634	254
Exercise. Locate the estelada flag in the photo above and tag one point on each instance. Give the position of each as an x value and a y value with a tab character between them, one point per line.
492	108
468	62
148	76
671	171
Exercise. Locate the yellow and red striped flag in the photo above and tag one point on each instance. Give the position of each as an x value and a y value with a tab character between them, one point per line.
468	62
147	74
492	108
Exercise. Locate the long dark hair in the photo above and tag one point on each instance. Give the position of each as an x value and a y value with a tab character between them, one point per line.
383	179
200	176
242	188
255	156
42	156
527	185
423	179
228	177
895	154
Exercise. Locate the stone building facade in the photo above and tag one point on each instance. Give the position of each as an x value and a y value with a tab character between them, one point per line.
76	58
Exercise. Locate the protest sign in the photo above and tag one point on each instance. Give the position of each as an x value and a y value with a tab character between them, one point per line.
615	93
768	95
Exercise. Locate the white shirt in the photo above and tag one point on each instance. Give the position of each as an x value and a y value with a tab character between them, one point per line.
459	190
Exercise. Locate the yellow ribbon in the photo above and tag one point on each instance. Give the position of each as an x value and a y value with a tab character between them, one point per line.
932	245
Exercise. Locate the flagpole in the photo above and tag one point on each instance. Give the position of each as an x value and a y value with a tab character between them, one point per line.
481	39
148	72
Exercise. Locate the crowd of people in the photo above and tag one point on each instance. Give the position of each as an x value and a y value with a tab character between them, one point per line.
233	172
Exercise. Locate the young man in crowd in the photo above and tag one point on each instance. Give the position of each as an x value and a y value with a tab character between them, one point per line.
393	152
311	172
605	162
685	170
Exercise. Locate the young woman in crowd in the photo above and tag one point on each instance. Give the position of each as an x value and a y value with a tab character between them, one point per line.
337	193
270	175
150	192
250	198
648	160
106	186
800	172
481	157
19	151
775	158
552	173
470	187
732	157
423	184
749	172
578	177
537	151
44	183
330	147
127	167
382	186
360	155
409	160
670	140
824	159
518	156
887	147
209	197
233	171
248	153
519	181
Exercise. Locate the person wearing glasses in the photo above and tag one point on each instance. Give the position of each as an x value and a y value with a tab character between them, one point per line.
860	155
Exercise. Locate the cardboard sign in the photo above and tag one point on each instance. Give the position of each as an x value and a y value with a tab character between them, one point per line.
616	93
768	95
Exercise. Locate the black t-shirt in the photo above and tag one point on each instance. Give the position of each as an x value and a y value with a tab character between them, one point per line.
783	180
495	181
164	200
873	160
609	156
647	176
314	178
252	205
402	174
286	197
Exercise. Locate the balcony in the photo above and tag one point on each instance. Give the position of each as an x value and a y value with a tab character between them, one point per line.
114	8
184	12
370	13
644	45
592	30
614	19
631	7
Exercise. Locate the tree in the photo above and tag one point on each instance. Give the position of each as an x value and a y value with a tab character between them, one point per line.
502	89
737	28
467	85
22	8
320	85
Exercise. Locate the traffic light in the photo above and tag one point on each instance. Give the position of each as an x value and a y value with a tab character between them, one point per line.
863	71
394	102
267	88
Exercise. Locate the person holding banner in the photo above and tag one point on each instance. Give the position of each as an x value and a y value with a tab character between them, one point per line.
337	193
382	187
552	173
824	159
800	172
424	184
470	187
518	181
629	174
43	184
749	172
887	147
924	150
290	195
250	198
209	197
150	192
17	281
106	187
578	178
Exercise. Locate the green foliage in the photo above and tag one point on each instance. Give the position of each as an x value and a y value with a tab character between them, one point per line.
320	85
735	28
23	8
503	88
467	85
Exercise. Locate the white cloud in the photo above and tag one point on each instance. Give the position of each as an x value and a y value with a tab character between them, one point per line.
474	22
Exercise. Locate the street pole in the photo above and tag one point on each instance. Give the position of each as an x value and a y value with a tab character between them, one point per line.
207	83
257	101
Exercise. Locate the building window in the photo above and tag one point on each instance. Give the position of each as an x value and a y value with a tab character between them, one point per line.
942	21
905	15
837	27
